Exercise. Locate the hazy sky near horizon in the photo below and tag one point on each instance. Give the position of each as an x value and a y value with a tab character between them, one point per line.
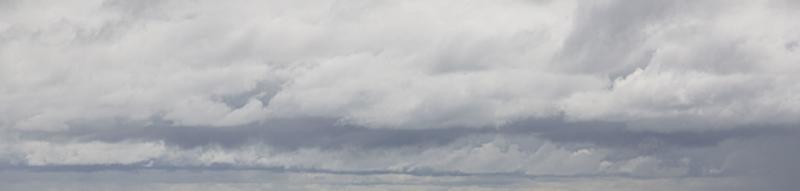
399	95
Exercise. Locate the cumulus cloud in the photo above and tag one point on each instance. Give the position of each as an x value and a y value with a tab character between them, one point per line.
500	90
369	63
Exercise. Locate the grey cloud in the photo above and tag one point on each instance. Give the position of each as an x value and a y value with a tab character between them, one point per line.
327	137
624	153
248	180
608	36
332	134
425	95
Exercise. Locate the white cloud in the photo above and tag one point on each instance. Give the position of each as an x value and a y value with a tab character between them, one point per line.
710	69
37	153
483	63
175	58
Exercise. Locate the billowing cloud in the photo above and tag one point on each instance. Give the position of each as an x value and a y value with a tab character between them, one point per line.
403	94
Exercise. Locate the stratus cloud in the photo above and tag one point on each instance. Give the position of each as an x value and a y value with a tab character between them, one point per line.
468	155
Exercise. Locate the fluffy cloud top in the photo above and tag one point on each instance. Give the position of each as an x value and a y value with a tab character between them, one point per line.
408	64
508	88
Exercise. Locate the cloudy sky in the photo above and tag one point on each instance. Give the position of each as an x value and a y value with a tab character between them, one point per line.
400	95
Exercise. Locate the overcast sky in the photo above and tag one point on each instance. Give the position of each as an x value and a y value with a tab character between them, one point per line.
400	95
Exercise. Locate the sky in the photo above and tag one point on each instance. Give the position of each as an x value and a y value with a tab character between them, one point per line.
564	95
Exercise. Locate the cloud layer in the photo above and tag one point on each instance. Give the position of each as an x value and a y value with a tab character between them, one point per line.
626	92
